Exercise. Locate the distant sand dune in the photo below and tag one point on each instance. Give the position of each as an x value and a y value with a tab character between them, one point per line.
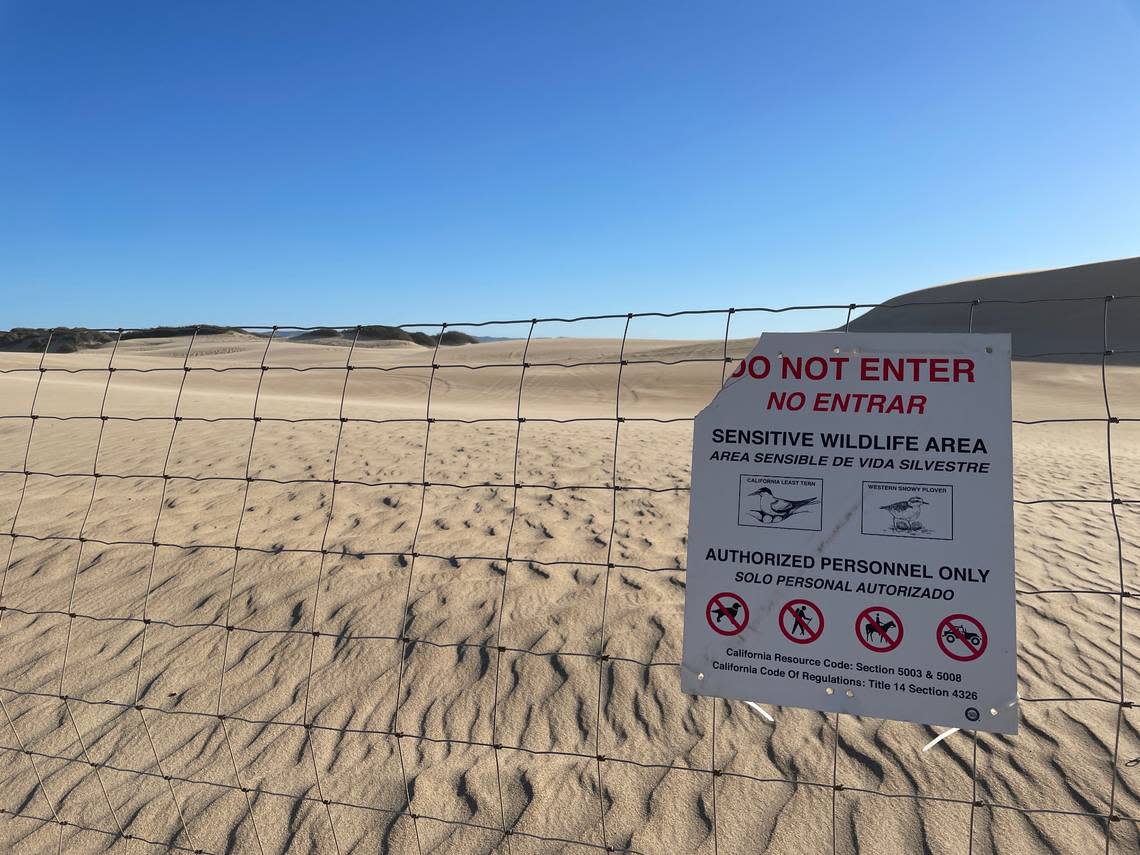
1059	324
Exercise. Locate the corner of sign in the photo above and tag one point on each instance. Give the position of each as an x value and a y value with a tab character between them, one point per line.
1001	344
691	680
1006	718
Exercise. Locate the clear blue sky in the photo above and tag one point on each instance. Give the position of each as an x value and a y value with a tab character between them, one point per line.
308	163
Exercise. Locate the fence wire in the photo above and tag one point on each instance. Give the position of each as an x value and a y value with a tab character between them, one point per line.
44	809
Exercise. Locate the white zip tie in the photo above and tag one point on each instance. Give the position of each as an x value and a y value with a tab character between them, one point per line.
939	738
761	710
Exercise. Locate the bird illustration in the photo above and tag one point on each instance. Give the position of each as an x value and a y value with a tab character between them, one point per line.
775	509
904	515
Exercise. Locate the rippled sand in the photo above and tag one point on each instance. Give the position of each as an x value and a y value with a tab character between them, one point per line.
504	652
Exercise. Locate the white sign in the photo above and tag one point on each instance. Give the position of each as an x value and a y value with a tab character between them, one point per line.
851	530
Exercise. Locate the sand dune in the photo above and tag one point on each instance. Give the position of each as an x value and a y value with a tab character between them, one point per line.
1070	319
173	772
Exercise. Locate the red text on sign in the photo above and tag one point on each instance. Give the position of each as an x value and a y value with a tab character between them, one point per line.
849	402
871	369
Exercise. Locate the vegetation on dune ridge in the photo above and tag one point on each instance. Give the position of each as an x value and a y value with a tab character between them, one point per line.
320	332
72	339
379	332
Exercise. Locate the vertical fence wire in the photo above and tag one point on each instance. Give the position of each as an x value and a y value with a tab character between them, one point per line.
836	787
42	789
228	629
405	622
974	803
71	615
41	371
95	766
714	704
317	589
237	546
176	421
1110	422
24	476
169	782
603	657
500	648
237	780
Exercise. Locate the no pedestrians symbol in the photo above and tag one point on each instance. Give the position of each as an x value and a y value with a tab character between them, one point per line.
727	613
962	637
879	629
801	621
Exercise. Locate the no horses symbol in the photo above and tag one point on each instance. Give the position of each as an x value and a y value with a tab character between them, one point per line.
879	629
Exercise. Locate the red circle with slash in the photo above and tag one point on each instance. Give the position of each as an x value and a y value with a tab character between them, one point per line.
729	607
881	623
796	624
959	641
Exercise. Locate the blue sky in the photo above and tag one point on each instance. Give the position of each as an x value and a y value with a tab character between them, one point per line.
311	163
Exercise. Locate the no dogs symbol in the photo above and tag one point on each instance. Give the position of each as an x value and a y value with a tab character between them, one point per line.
962	637
879	629
801	621
727	614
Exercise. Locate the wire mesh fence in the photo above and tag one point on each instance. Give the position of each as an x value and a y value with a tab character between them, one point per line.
265	594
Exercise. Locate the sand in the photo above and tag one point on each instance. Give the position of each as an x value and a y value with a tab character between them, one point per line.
461	600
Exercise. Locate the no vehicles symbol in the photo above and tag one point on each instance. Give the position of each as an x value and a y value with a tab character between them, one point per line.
801	621
727	613
879	629
962	637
